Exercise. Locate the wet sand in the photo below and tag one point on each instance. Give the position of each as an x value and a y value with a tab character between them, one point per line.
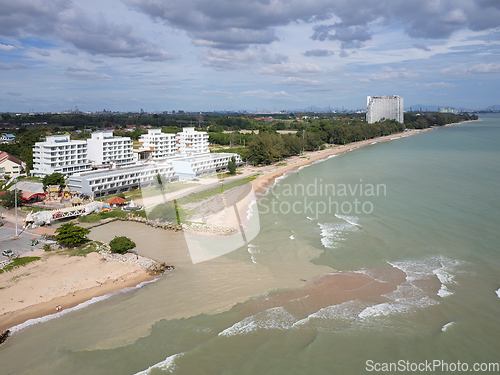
35	289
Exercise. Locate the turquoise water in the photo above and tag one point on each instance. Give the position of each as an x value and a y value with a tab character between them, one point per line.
435	220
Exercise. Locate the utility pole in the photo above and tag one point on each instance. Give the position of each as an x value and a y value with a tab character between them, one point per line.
15	203
303	130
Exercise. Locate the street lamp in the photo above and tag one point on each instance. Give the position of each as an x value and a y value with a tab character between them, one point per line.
15	202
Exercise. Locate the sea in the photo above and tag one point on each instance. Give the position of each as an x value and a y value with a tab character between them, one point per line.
382	259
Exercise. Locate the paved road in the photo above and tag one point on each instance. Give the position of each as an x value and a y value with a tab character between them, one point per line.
18	245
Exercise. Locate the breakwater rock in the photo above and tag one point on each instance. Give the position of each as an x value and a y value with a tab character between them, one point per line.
152	266
209	228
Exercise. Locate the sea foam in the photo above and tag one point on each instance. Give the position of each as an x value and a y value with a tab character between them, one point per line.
167	365
48	318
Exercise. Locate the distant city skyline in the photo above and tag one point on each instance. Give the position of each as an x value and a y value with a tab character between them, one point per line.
252	55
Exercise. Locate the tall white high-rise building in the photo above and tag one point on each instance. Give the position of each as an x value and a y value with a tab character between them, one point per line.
161	145
105	150
384	107
191	142
60	154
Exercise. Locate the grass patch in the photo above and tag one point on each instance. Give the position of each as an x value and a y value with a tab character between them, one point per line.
281	164
34	209
82	250
19	262
97	216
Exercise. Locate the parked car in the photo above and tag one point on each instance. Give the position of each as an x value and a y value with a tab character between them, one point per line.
8	253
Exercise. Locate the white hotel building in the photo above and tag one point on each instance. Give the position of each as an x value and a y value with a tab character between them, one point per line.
161	145
384	107
60	154
104	149
179	157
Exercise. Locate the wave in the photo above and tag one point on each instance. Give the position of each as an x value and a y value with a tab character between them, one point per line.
498	293
274	318
291	237
446	326
48	318
334	233
167	365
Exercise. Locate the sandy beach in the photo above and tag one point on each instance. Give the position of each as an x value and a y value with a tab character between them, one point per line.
35	290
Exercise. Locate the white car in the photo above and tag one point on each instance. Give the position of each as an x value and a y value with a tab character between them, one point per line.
8	253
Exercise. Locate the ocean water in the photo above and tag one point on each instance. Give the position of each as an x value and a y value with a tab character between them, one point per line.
387	253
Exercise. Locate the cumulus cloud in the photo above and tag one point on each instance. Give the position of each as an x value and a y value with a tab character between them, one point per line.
216	92
290	69
62	20
13	93
298	81
87	74
390	74
478	68
227	24
318	53
4	66
236	59
264	94
422	47
7	47
41	52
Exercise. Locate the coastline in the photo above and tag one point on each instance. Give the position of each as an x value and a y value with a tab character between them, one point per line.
34	290
76	294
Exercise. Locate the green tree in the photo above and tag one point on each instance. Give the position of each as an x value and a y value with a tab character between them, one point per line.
55	178
8	199
71	235
231	166
121	244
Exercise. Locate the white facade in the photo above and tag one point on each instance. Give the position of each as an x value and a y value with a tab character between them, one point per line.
162	145
191	142
199	165
60	154
384	107
106	182
104	149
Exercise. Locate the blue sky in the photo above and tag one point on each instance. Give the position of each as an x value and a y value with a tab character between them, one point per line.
246	54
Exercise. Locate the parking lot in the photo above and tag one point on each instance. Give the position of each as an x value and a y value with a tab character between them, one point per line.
18	245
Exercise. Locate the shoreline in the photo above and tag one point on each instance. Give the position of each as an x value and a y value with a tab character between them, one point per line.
80	295
61	280
262	183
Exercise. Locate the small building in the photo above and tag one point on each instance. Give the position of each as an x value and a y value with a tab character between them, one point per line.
10	165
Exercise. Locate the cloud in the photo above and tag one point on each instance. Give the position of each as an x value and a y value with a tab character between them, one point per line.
62	20
4	66
298	81
479	68
239	24
485	68
69	51
318	53
40	52
263	94
12	93
235	59
351	37
290	69
422	47
7	47
390	74
216	92
87	74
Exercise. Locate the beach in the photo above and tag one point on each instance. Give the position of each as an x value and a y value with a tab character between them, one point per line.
35	290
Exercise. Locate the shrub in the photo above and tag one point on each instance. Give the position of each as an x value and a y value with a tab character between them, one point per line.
121	244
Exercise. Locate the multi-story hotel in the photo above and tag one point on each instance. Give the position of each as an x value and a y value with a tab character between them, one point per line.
60	154
111	181
104	149
384	107
174	157
191	142
161	145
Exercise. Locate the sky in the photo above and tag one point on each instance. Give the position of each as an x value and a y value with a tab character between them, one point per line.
253	55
